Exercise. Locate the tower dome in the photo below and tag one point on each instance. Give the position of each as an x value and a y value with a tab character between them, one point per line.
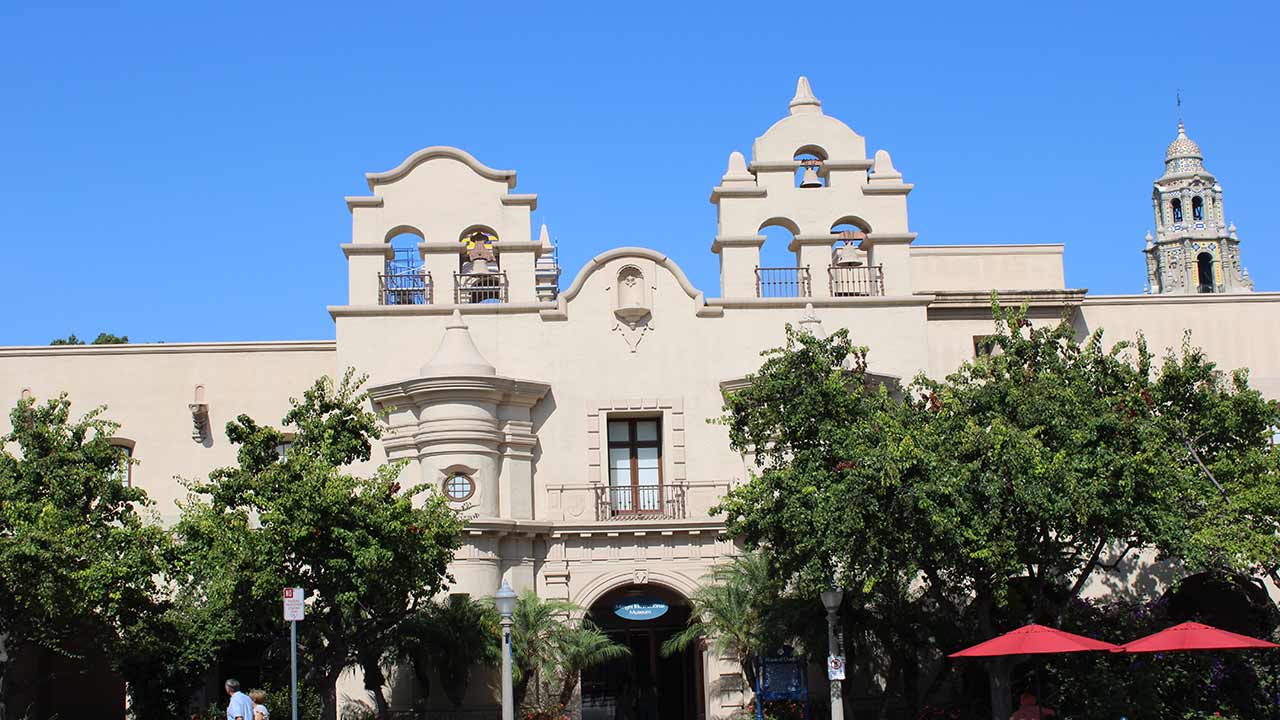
1183	154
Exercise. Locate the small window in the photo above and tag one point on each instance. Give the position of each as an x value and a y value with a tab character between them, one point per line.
1177	211
459	487
984	345
635	465
1197	208
124	472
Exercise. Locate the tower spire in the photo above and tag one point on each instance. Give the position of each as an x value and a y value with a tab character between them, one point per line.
805	101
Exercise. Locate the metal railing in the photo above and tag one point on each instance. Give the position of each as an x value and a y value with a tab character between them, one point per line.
472	288
848	281
783	282
413	288
624	502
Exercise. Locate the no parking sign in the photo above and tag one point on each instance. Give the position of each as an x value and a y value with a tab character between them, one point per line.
835	667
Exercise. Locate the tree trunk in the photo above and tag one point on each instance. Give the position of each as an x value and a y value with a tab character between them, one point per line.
999	669
374	680
329	697
568	686
4	686
999	676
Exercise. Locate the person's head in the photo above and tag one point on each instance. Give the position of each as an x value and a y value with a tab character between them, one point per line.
232	685
258	696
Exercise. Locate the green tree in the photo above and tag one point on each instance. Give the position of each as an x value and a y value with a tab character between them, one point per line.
583	646
1000	491
369	552
102	339
550	649
741	610
78	563
453	637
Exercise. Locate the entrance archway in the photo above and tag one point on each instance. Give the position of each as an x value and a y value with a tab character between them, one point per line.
646	685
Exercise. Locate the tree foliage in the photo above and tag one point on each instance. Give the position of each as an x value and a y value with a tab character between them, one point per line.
990	498
550	649
79	565
452	636
742	610
369	552
102	339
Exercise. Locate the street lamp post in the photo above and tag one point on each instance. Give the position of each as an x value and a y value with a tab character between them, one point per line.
505	600
831	601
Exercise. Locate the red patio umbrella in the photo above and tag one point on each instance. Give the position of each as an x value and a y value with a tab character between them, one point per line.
1193	636
1034	640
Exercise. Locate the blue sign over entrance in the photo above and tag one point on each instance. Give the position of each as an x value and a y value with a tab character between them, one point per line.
640	608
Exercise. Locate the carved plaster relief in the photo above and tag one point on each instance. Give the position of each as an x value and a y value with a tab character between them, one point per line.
632	295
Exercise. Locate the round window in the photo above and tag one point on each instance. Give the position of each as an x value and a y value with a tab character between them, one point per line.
459	487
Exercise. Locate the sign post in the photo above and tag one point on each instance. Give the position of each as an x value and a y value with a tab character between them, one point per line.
294	609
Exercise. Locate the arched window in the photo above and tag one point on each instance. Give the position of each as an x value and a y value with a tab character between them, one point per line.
809	174
1177	210
1204	273
779	274
478	241
1197	208
404	279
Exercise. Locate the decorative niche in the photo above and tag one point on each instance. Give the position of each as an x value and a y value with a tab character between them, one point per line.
632	296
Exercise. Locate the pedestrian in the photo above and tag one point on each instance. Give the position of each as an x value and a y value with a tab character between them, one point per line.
259	698
239	707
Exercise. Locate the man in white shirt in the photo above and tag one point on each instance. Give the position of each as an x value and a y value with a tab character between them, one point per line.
240	706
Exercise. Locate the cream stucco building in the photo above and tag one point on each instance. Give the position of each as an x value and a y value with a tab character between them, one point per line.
588	467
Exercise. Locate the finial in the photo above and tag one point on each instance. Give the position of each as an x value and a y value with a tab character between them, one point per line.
455	320
805	101
544	238
1178	95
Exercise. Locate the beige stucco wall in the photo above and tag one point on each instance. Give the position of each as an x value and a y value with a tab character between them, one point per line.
984	267
147	390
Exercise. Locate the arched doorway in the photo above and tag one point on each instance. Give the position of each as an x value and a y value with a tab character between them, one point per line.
646	685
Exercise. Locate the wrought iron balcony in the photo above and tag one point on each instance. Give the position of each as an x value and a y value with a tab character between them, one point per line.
851	281
627	502
783	282
408	288
602	503
472	288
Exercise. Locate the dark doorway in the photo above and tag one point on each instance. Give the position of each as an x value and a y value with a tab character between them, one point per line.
646	685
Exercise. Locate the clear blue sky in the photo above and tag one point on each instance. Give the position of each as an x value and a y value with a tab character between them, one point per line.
176	173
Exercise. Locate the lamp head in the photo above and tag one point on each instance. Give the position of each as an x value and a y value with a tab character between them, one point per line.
505	600
831	599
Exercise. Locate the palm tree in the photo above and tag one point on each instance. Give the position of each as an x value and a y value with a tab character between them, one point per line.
451	637
737	611
537	631
583	646
547	646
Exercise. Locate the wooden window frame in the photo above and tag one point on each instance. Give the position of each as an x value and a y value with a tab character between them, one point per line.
632	445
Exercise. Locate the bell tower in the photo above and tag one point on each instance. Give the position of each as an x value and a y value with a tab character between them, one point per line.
1194	250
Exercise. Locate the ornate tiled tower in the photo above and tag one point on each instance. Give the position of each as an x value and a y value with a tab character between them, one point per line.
1194	249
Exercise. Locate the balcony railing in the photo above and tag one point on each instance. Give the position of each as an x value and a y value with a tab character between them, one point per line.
783	282
640	501
472	288
848	281
602	503
412	288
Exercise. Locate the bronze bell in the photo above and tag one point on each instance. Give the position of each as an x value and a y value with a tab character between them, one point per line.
810	178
